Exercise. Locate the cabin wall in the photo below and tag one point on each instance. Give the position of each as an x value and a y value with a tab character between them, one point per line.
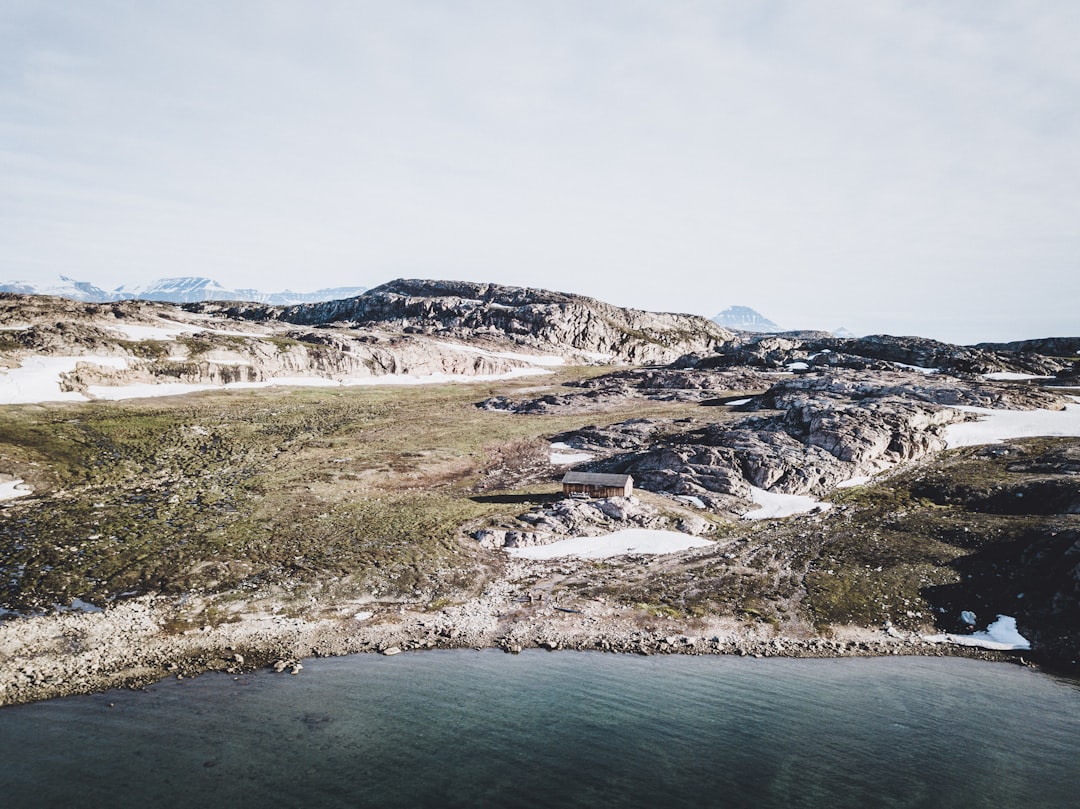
597	491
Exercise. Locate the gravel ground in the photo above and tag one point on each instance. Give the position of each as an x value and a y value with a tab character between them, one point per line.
134	643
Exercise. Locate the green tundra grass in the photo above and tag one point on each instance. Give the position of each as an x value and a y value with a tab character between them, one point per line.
231	490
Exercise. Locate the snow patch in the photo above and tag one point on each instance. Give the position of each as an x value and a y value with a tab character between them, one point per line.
697	502
736	403
999	376
999	425
563	455
619	543
921	369
860	480
774	505
11	489
1001	635
545	360
798	366
134	331
37	379
143	390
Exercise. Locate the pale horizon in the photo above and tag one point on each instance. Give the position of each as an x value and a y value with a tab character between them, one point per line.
895	167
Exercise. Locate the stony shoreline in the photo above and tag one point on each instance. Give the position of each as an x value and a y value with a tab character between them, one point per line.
129	645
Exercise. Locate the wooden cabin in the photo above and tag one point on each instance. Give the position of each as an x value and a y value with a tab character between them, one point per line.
596	484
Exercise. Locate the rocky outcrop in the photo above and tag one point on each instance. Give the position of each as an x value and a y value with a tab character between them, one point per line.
882	352
537	318
578	518
612	390
829	428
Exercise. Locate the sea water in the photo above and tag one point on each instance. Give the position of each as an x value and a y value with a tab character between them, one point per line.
564	729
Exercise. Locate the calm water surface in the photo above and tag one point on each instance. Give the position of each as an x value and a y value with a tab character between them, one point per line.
449	729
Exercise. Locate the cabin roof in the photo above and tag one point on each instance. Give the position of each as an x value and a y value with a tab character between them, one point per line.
596	479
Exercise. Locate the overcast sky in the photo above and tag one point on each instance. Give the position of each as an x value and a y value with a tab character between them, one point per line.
901	167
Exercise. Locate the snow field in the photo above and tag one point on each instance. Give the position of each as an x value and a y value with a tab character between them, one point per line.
619	543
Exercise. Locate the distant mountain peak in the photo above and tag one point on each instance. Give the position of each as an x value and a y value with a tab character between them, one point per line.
182	289
744	318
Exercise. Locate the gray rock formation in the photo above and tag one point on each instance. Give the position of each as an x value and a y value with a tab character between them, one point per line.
536	318
877	352
830	428
577	518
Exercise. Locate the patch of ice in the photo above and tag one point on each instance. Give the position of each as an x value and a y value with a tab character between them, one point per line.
545	360
619	543
11	489
999	425
1002	376
921	369
860	480
135	331
562	455
798	366
78	605
774	505
37	379
1001	635
689	498
736	403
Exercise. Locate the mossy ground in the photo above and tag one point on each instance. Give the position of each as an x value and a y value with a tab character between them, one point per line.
366	490
224	491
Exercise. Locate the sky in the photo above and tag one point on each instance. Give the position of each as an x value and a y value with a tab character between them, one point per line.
886	166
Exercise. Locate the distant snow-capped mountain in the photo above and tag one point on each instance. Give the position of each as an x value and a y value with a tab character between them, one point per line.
186	289
744	318
62	287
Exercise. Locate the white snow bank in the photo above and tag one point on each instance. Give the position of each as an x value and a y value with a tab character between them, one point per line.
37	379
545	360
1001	635
697	502
632	540
136	331
775	505
798	366
998	425
1002	376
564	455
11	489
921	369
855	481
143	390
736	403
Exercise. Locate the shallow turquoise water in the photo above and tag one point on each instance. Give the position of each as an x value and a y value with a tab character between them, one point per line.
449	729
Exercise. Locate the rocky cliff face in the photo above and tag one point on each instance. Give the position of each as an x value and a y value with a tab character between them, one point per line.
535	318
884	352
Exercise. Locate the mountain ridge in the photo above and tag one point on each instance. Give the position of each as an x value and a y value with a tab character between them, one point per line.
179	289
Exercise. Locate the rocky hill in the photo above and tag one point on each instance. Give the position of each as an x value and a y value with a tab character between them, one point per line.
408	329
536	318
810	471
